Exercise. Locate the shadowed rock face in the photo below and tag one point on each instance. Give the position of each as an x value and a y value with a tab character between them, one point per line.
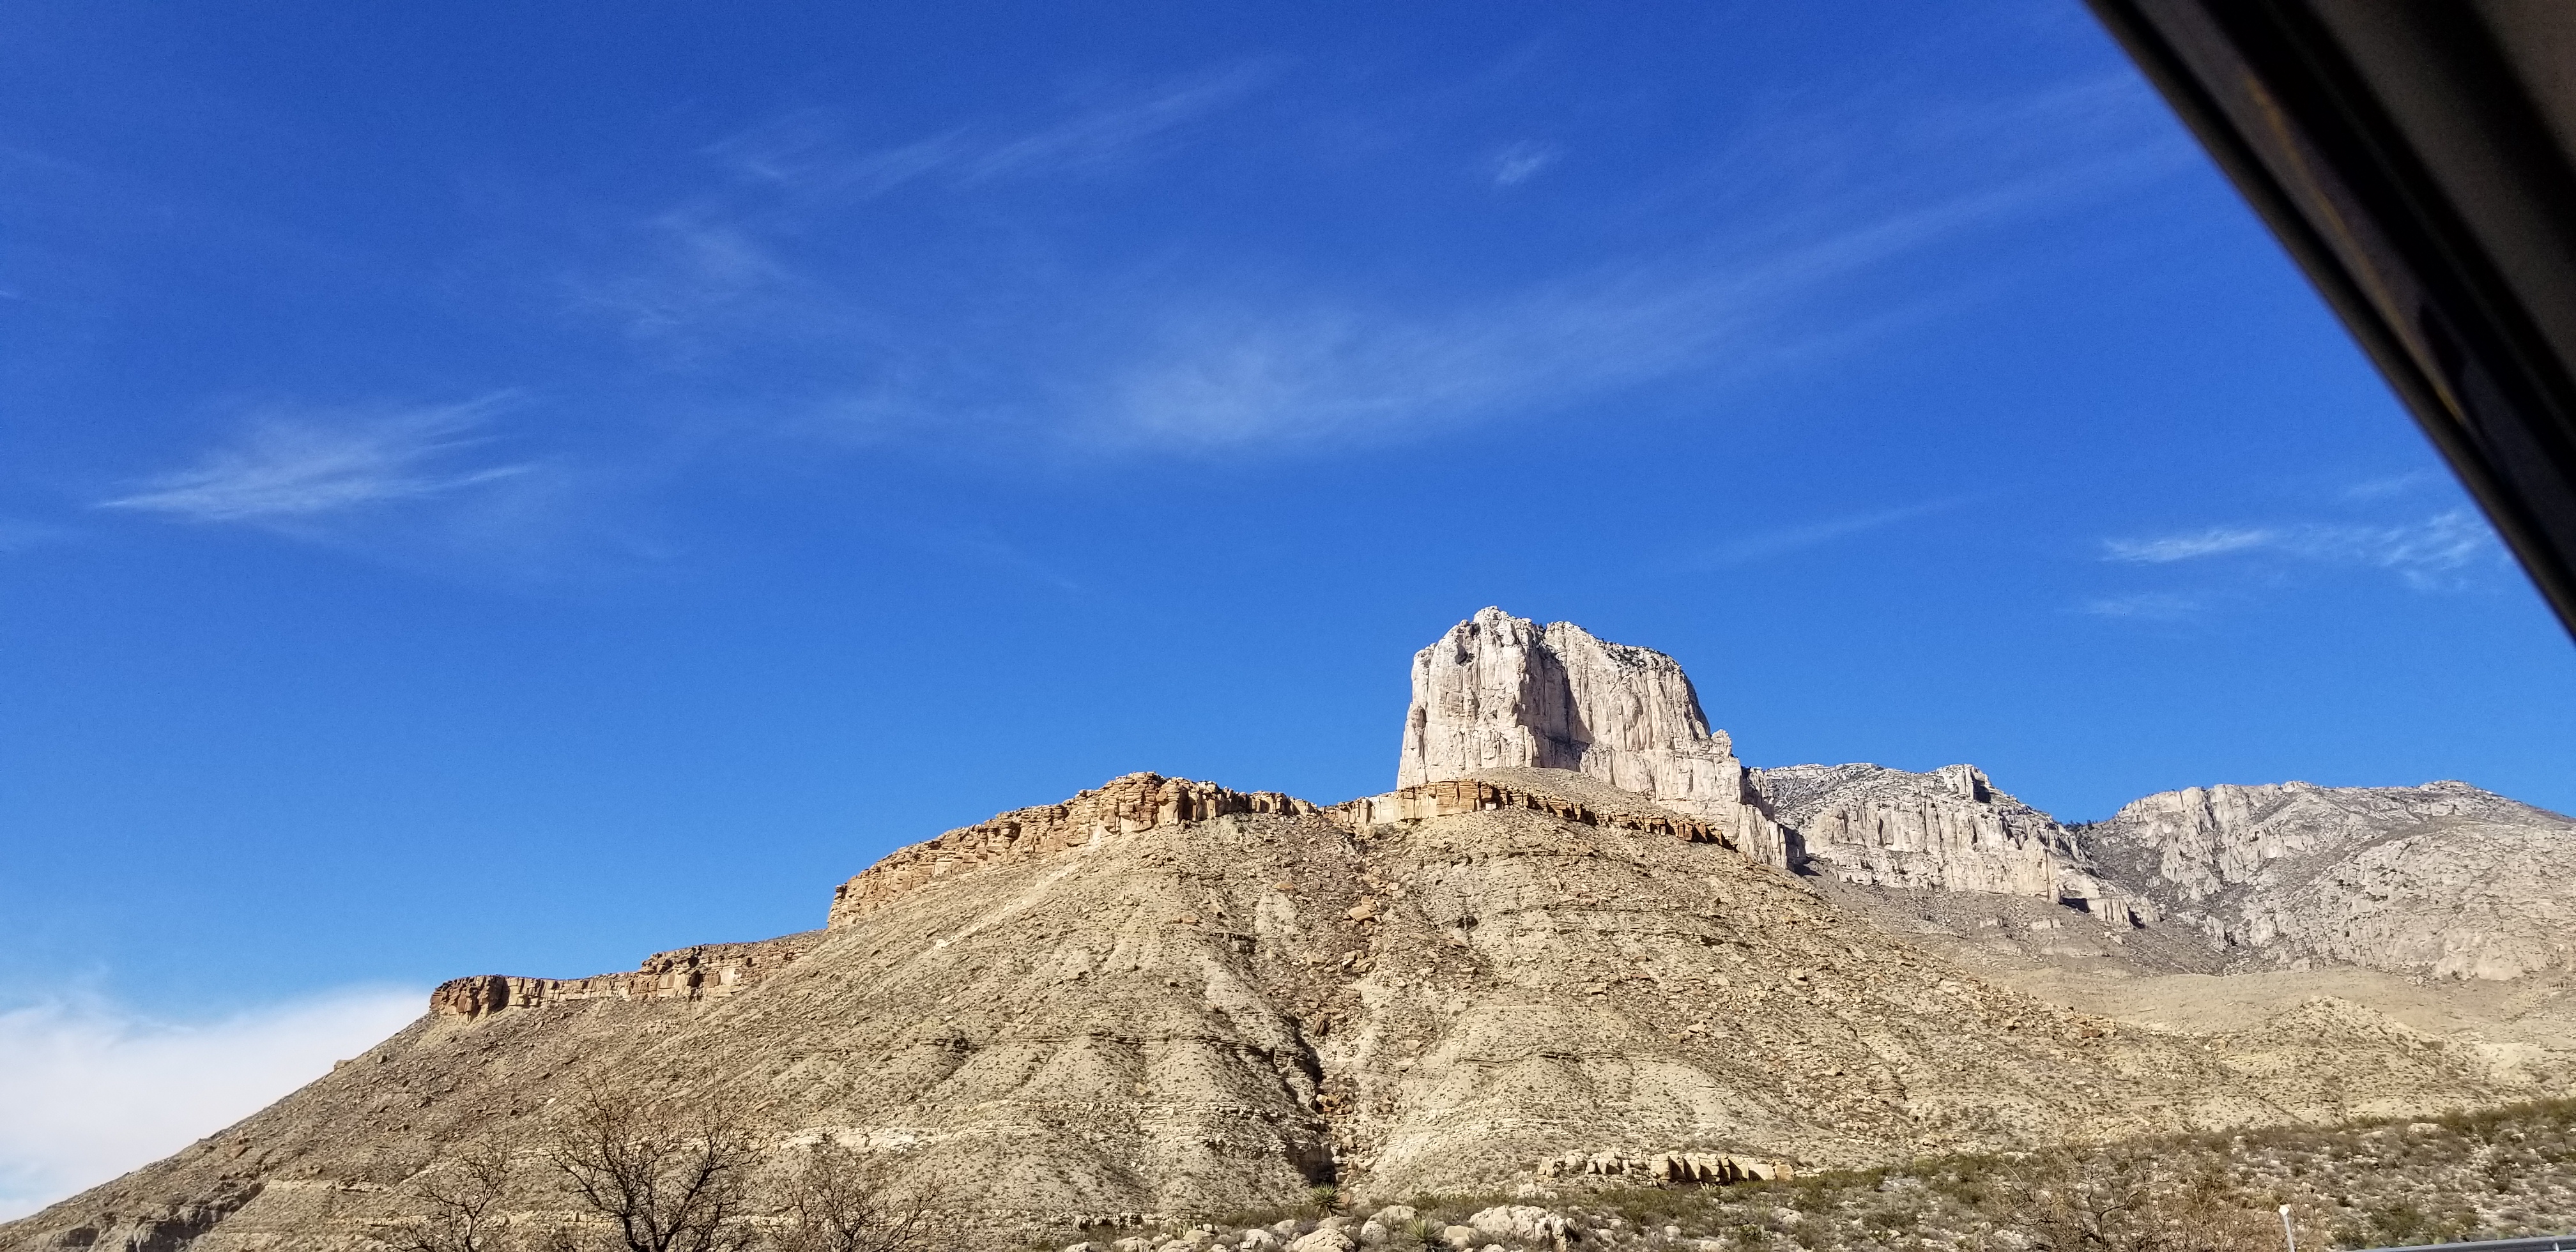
1503	692
2443	879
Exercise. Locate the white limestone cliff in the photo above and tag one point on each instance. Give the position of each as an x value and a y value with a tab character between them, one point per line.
1946	830
1503	692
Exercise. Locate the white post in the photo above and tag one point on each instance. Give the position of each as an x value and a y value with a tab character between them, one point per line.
2289	1233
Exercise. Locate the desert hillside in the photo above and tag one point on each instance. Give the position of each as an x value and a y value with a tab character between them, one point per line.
1580	945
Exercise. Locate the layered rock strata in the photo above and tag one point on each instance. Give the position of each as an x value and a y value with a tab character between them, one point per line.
694	973
1145	801
1123	805
2442	879
1481	795
1502	692
1947	830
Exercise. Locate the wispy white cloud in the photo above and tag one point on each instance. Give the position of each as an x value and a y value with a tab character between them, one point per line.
1764	545
2427	554
1195	354
2152	606
1218	378
437	489
806	155
1521	162
2393	485
297	467
692	268
716	269
2215	541
1761	294
1114	132
804	152
93	1090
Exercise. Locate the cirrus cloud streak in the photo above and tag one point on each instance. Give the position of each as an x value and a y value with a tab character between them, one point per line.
2428	553
291	466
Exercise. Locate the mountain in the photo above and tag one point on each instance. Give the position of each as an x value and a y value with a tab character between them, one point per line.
1502	692
1578	928
2442	879
1947	830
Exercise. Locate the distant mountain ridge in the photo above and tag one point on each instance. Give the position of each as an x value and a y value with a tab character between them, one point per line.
2443	879
1947	830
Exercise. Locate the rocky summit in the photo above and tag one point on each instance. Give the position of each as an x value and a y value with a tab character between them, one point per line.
1579	946
1502	692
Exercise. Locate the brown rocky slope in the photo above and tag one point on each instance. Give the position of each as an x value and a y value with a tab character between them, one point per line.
1580	934
1165	997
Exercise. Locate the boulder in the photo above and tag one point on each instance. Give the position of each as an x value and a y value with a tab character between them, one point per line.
1524	1223
1324	1240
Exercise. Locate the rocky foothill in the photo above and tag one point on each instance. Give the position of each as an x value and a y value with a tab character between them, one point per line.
2501	1173
1581	963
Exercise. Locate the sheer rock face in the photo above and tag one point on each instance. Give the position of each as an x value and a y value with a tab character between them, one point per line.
2444	879
1503	692
1947	830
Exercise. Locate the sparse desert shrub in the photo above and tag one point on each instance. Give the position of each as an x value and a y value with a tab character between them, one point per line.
458	1202
836	1200
2121	1203
659	1178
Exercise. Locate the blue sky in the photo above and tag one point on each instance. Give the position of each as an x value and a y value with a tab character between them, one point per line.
511	488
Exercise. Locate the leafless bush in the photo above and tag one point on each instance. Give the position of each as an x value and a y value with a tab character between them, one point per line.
664	1179
837	1200
2123	1203
458	1202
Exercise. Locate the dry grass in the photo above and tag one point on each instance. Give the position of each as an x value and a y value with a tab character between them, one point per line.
2491	1174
